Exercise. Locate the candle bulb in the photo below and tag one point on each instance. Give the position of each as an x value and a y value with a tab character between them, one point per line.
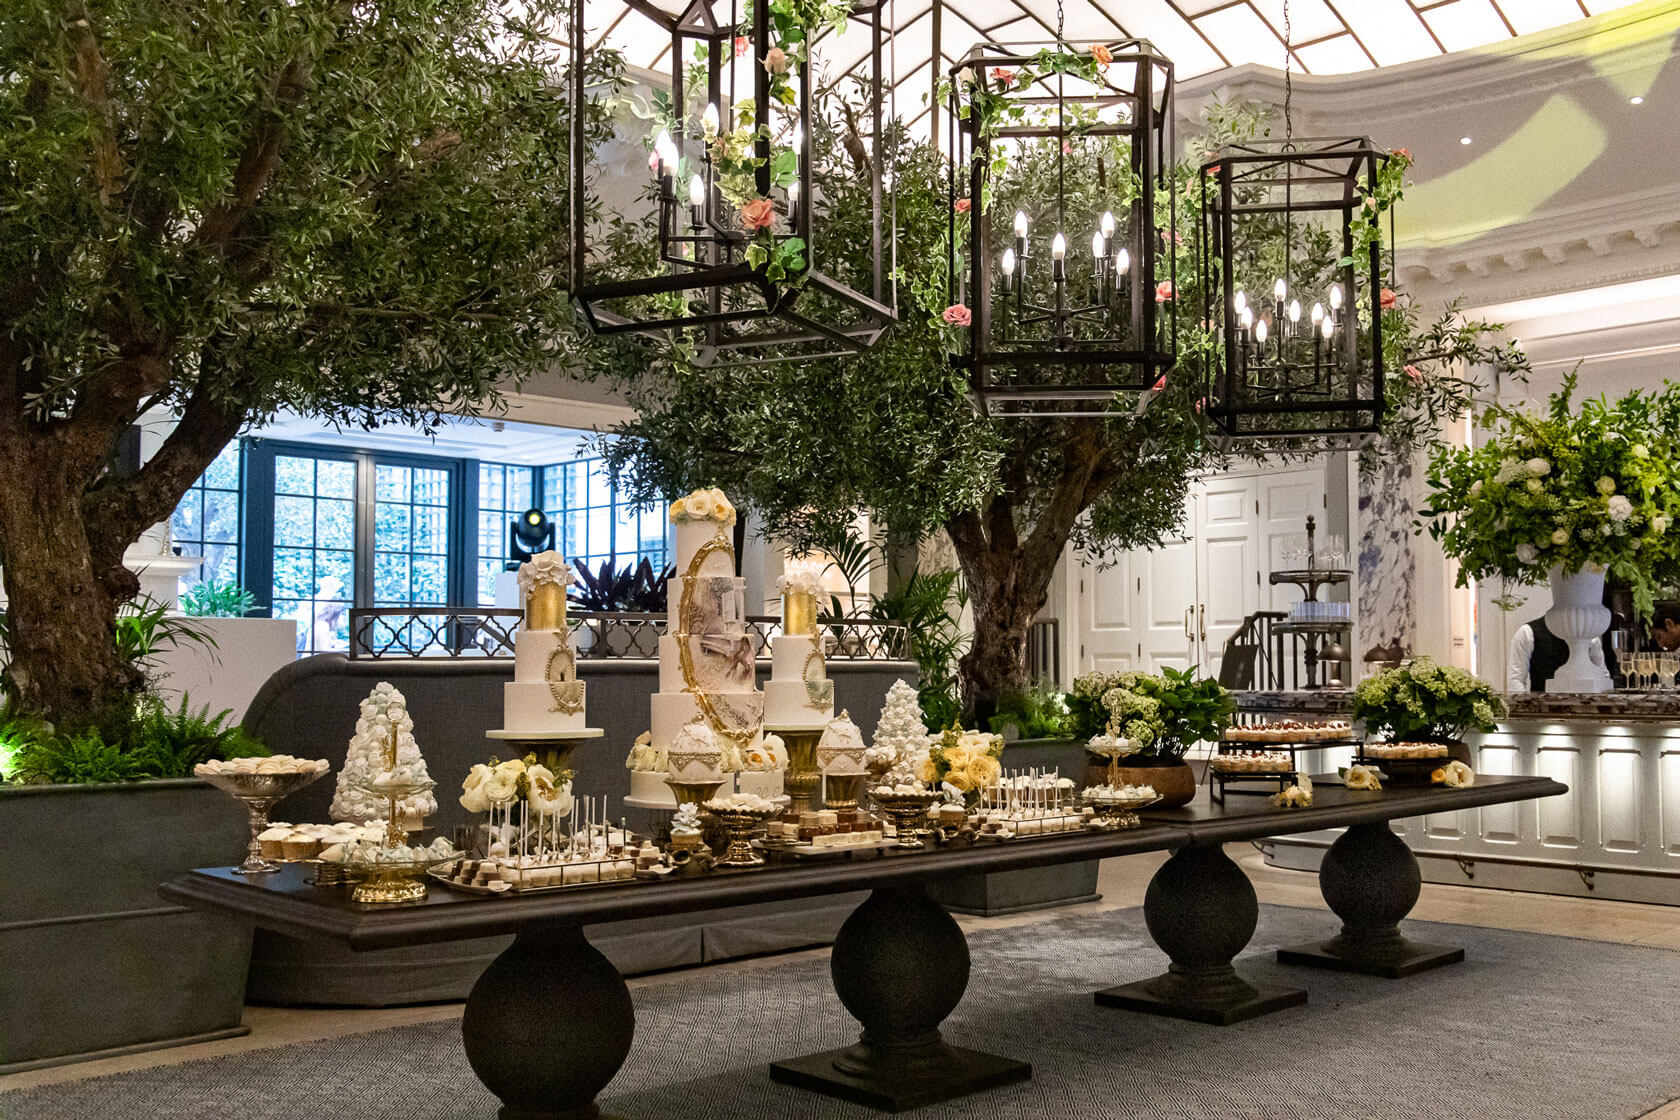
1335	297
1099	258
1294	316
1279	290
1239	303
709	121
697	201
1058	259
1260	332
798	139
1317	315
1107	225
1021	235
1122	262
793	198
1008	268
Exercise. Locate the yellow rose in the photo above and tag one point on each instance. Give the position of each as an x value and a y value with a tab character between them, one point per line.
678	509
956	758
959	779
984	770
927	772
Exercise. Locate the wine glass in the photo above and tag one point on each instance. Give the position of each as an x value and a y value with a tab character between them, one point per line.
1667	665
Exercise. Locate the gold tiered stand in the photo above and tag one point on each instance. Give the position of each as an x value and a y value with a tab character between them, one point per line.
803	777
554	749
393	881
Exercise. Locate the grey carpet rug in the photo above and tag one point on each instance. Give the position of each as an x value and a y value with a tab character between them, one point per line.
1531	1027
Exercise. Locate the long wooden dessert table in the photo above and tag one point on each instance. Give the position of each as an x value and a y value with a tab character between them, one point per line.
550	1022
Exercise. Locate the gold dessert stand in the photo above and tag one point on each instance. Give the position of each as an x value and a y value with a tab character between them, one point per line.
803	777
739	825
908	812
842	791
554	749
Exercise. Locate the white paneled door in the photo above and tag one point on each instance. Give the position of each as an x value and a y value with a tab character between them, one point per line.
1177	604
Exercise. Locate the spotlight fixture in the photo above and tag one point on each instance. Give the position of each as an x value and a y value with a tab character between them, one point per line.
532	533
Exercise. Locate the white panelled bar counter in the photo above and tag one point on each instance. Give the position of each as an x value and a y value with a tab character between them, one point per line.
1615	834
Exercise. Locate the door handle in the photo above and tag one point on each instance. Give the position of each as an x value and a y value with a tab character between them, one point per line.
1189	623
1202	612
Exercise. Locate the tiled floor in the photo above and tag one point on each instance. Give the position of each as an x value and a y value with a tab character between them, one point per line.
1122	884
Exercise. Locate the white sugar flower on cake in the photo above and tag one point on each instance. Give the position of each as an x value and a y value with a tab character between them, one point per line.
544	567
801	576
703	505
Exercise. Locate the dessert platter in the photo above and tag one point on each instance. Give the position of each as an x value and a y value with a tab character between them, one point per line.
541	851
1404	764
1030	803
1241	771
1315	733
259	783
1118	803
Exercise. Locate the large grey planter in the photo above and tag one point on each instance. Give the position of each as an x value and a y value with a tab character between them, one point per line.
1032	888
95	963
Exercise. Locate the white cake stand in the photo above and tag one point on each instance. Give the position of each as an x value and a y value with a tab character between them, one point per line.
553	748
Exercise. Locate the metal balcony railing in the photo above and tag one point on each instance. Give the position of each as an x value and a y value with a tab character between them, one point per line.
447	632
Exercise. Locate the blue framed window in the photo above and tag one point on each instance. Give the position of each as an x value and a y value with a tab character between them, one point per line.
206	523
594	523
504	492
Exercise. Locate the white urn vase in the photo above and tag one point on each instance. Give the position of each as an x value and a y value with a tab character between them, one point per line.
1580	618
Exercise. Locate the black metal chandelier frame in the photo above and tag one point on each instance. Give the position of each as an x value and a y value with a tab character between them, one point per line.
1131	339
708	258
1280	371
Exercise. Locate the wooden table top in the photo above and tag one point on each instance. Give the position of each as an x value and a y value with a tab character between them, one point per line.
286	902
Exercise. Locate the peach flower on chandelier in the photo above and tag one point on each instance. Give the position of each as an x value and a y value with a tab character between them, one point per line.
1003	75
1414	373
958	315
760	213
1387	298
963	205
776	61
1102	55
1164	291
742	45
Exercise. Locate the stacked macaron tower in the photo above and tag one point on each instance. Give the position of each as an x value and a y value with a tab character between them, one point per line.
708	715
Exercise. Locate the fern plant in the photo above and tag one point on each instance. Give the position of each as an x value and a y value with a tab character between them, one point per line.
159	742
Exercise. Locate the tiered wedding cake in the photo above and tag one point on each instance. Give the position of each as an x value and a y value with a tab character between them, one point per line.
545	697
706	661
798	696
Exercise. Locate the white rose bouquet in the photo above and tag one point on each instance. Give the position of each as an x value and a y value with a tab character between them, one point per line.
1588	485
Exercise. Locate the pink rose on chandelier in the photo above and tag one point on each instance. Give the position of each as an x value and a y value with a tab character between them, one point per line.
776	61
742	45
1164	291
1003	76
958	315
1102	55
1414	373
760	213
1160	383
1387	298
963	205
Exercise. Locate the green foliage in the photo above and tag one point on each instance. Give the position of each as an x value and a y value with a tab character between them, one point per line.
1590	484
611	588
1169	711
146	628
157	743
1040	712
217	600
1426	702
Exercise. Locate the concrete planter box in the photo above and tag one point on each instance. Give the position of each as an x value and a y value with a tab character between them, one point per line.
1032	888
95	963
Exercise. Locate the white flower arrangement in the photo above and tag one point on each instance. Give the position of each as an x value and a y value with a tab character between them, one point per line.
544	567
703	505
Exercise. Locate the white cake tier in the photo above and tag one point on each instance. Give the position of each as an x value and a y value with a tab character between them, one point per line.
671	710
791	704
761	783
692	535
537	652
530	706
796	657
720	664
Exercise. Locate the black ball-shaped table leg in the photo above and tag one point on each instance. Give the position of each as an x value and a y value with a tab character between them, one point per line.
900	966
548	1025
1201	910
1370	879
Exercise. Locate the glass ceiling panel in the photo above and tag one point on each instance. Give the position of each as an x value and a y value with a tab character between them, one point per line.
1200	36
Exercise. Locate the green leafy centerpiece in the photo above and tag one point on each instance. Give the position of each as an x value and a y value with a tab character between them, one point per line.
1426	702
1566	496
1161	715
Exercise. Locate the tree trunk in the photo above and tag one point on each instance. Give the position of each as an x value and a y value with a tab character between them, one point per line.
64	663
1008	584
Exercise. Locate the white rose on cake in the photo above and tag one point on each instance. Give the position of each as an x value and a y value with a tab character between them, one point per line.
501	787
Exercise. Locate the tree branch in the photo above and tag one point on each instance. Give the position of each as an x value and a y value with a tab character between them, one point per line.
256	165
92	77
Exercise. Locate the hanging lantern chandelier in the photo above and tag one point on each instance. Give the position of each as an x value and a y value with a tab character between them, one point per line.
1291	277
1052	329
748	267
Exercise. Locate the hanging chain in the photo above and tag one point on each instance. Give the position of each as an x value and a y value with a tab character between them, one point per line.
1059	16
1288	75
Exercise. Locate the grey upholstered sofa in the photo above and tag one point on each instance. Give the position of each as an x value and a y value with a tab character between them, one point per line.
309	709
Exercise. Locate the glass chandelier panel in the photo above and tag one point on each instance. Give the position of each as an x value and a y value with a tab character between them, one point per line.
1290	272
749	266
1063	228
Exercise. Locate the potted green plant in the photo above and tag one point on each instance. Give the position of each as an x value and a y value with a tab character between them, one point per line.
1425	702
1566	496
90	824
611	590
1160	715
